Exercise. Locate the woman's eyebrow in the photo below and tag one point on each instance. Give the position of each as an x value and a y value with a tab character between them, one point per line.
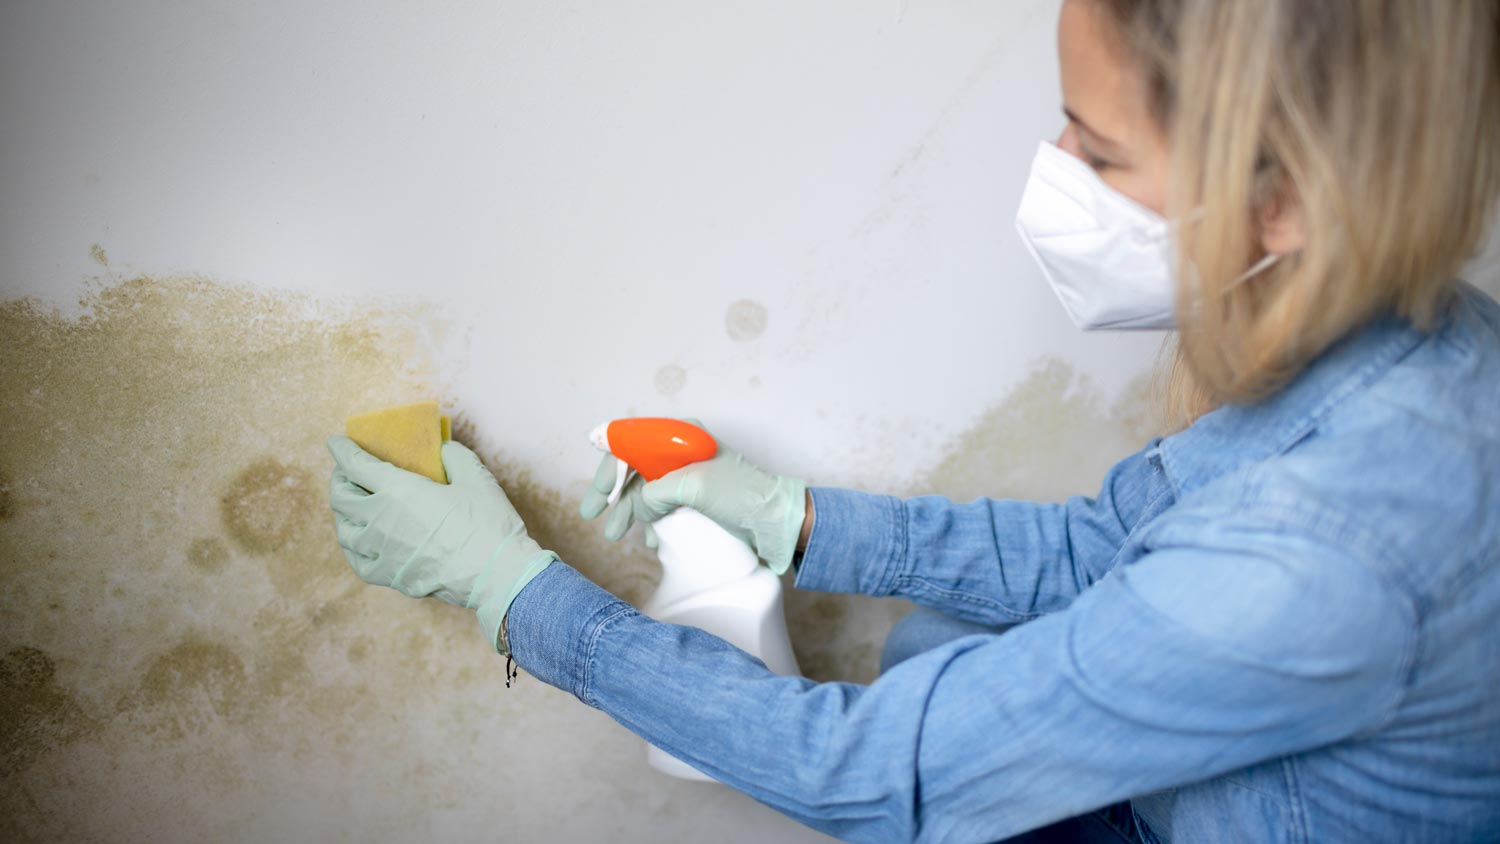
1102	139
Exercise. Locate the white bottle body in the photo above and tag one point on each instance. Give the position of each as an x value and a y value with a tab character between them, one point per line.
713	581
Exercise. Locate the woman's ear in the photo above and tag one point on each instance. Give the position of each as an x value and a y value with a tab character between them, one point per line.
1281	230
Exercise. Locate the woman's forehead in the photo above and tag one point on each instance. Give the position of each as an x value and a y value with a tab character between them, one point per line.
1101	87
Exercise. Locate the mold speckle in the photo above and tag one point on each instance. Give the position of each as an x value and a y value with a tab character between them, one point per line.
208	554
745	320
266	504
1053	436
359	649
26	668
97	253
670	379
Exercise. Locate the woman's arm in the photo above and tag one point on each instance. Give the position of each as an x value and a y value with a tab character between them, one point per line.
991	561
1238	643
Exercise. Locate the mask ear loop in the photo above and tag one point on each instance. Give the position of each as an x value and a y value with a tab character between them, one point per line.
1256	269
1260	266
1265	263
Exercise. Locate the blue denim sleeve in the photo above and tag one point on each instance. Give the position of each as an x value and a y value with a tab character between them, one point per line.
1235	643
991	561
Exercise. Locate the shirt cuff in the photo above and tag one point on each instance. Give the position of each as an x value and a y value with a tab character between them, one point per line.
553	623
857	543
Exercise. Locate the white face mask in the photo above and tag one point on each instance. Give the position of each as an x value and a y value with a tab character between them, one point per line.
1107	257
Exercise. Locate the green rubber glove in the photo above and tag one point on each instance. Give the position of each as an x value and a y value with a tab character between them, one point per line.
763	510
461	542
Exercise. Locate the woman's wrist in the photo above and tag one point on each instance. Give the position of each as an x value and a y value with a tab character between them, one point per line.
807	522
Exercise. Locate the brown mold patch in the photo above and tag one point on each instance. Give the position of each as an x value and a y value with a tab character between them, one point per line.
26	668
267	504
39	717
199	682
211	403
208	554
279	512
359	649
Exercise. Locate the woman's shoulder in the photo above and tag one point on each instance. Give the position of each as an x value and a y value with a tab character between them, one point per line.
1405	472
1428	428
1394	454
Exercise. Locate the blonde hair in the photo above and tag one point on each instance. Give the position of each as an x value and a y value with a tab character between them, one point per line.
1377	122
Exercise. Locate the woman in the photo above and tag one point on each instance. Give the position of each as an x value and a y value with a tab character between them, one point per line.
1277	624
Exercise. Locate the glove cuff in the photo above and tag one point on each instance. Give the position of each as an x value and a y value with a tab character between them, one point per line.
788	502
492	610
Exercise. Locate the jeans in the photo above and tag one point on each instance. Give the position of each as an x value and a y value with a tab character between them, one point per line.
925	629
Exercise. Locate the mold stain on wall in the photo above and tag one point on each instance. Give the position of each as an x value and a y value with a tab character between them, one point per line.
208	554
178	619
5	506
39	714
1053	435
186	653
838	637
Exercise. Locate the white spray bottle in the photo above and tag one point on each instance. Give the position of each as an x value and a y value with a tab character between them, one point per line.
709	578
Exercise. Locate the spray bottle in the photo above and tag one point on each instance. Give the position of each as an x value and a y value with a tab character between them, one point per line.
709	578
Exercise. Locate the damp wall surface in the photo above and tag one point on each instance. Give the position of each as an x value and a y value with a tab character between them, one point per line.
225	226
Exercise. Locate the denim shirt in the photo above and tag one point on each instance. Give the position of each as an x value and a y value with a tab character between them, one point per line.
1280	624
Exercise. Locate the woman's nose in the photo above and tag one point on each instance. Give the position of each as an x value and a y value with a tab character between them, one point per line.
1067	141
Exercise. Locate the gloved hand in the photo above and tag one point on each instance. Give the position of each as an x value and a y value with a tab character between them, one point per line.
763	510
461	542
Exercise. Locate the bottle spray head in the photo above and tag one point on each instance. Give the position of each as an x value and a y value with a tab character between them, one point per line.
652	446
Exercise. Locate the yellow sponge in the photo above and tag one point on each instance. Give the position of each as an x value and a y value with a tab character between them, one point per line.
410	436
